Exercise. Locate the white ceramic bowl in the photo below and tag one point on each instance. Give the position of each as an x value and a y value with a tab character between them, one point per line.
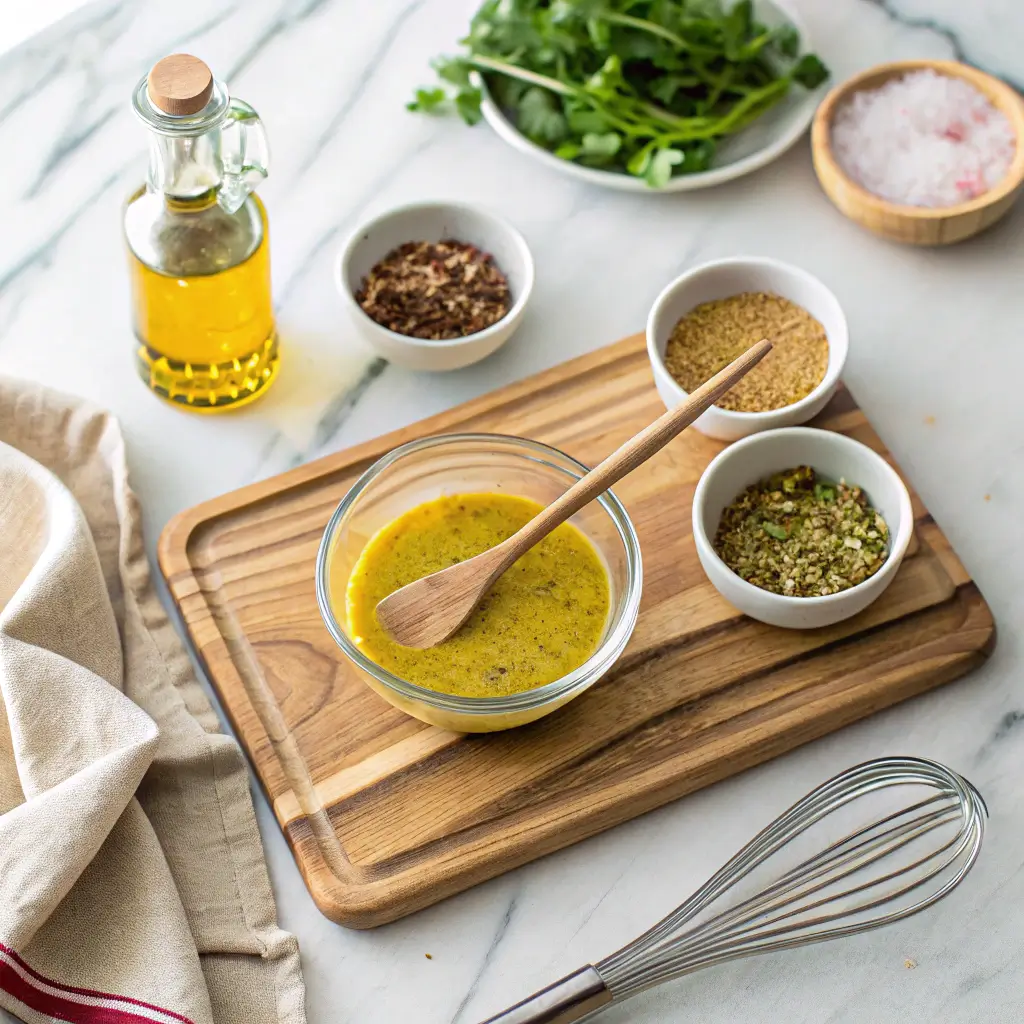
719	280
433	222
835	457
765	140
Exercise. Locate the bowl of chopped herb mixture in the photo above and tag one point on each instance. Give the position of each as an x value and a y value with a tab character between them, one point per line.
801	527
710	315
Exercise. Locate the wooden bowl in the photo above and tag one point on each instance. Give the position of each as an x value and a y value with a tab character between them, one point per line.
918	225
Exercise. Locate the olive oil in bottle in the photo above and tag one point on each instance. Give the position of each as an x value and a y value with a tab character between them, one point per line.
198	244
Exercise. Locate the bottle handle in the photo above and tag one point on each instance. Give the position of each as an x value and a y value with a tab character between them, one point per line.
245	155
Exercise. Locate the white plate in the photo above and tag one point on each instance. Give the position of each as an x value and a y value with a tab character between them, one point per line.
761	143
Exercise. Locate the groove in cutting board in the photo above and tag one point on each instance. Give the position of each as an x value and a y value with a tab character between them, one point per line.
386	815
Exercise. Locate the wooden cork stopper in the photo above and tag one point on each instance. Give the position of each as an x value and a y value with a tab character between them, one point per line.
180	84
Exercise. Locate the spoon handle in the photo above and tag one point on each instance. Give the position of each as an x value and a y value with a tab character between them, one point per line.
636	450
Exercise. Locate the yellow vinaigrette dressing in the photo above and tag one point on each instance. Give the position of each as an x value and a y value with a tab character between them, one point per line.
541	620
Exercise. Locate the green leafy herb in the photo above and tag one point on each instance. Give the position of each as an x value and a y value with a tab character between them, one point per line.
810	72
454	70
639	162
467	103
541	117
427	100
601	148
646	87
787	40
773	530
736	28
584	122
659	170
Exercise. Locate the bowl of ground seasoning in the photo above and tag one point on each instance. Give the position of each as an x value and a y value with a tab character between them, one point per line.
435	286
715	312
800	527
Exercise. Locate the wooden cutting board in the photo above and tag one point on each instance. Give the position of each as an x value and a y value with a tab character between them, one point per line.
386	815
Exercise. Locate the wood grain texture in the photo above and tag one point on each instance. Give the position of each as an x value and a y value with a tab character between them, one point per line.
180	84
386	815
917	225
431	609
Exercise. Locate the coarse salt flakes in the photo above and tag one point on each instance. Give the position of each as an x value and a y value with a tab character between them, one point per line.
923	140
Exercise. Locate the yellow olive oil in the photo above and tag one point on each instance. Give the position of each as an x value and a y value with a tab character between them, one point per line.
206	340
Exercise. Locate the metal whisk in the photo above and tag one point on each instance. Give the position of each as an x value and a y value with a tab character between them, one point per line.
911	854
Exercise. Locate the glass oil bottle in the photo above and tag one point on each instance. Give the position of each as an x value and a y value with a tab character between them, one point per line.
198	244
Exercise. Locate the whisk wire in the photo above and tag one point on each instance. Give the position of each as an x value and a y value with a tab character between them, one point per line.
745	862
771	900
903	861
717	934
806	903
768	842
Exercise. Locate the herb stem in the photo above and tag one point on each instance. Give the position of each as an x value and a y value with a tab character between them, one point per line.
654	29
642	25
721	84
523	74
736	118
674	120
626	127
752	106
563	89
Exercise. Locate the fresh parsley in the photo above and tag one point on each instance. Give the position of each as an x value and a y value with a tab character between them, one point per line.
646	87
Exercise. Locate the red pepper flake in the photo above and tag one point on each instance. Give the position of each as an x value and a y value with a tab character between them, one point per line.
437	291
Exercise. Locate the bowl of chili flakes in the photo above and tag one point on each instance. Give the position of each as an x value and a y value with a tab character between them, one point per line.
435	285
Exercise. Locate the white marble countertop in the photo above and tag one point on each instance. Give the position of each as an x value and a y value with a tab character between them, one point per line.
936	360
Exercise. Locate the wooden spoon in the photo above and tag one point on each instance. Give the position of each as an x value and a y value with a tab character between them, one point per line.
429	610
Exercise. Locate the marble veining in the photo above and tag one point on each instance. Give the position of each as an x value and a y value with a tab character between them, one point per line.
485	964
935	361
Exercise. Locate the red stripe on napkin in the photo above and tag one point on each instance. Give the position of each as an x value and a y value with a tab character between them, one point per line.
75	1005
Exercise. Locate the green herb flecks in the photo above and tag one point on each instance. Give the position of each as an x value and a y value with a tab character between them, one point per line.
796	535
646	87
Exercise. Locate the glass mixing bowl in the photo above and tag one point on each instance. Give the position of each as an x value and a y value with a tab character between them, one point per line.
460	464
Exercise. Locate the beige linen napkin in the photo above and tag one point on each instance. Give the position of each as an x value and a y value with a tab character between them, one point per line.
132	881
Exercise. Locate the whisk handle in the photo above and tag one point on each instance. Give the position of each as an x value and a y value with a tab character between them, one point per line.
573	997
